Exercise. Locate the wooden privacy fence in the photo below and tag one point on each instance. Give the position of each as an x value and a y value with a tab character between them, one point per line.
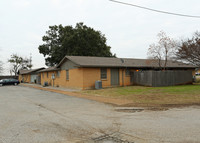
161	78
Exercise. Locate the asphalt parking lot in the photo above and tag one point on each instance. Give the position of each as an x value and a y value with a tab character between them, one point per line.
34	116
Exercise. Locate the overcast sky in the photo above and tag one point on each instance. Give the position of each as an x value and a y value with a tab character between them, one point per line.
129	30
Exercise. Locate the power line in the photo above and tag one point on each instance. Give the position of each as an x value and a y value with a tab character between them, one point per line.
165	12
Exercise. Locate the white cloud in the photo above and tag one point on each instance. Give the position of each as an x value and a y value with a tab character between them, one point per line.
56	2
21	3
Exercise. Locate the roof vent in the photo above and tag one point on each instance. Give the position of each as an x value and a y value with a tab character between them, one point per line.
122	60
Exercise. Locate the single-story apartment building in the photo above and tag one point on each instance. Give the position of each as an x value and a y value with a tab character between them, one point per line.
81	71
30	76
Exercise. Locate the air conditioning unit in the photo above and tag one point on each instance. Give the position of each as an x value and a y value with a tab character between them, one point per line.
98	84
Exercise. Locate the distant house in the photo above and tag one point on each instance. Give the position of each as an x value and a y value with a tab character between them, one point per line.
29	76
197	71
82	72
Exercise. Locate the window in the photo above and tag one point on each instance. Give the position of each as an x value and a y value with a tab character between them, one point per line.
42	75
53	76
103	73
67	74
128	73
47	74
58	74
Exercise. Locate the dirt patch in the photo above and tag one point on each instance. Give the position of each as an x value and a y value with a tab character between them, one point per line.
157	107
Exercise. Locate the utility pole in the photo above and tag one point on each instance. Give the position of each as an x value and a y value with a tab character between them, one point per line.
30	61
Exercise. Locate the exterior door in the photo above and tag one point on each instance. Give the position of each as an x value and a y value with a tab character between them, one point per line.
38	79
33	78
114	77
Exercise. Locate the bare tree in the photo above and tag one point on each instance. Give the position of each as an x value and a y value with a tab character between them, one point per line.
155	52
189	50
1	67
19	63
163	50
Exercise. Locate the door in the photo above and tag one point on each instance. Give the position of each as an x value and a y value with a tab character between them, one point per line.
33	78
114	77
38	81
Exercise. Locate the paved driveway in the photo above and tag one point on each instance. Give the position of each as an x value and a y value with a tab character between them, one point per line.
29	115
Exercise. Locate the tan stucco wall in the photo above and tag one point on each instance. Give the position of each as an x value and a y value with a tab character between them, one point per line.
48	79
93	74
90	75
26	78
75	78
20	78
83	78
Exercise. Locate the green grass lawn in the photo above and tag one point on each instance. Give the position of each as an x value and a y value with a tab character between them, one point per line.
183	94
